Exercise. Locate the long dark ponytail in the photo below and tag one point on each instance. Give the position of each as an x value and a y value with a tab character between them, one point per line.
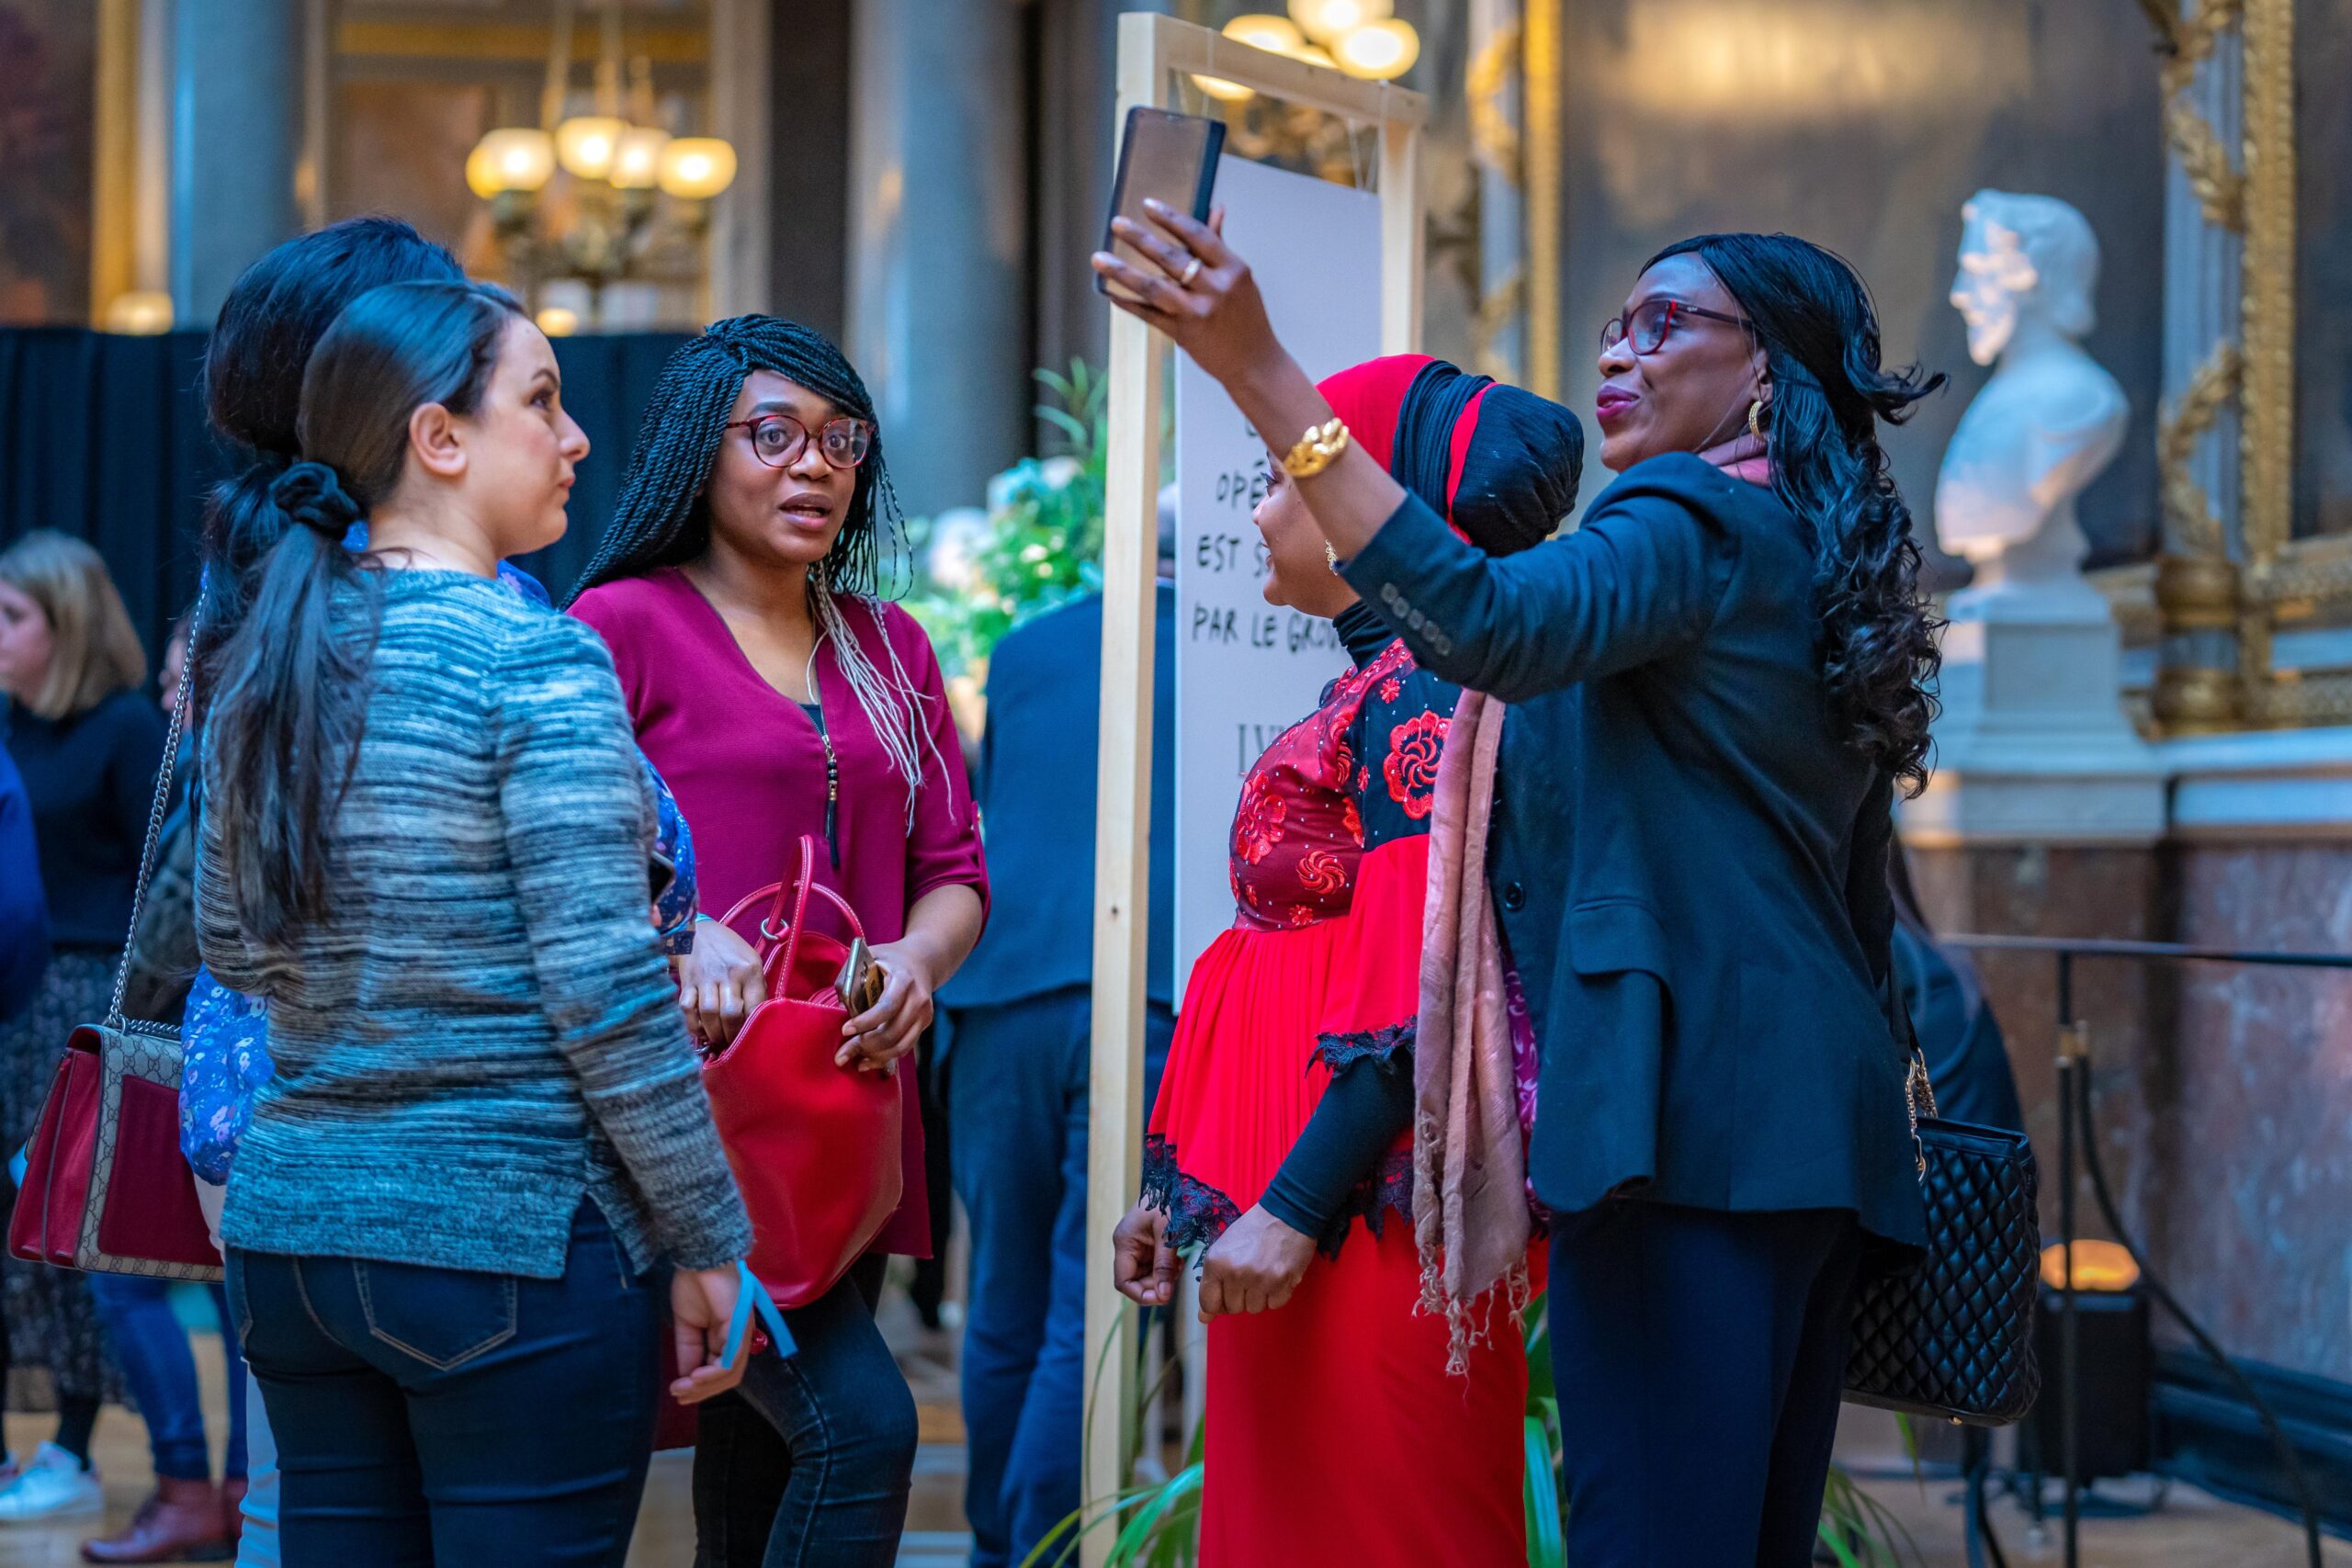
295	631
1813	315
272	318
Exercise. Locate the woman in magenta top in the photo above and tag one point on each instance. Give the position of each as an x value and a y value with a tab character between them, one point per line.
781	699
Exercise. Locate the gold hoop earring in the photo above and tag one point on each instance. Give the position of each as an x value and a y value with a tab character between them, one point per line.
1755	418
1332	556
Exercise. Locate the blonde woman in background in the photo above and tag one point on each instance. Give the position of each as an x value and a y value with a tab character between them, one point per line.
87	741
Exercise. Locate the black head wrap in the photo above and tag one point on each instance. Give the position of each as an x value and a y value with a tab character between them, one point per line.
1518	478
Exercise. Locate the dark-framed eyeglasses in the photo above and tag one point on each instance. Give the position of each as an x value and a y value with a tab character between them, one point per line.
778	439
1647	325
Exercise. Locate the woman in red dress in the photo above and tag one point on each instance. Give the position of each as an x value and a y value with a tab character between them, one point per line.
1281	1142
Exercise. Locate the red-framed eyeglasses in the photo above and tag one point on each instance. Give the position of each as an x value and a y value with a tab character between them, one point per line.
778	439
1647	325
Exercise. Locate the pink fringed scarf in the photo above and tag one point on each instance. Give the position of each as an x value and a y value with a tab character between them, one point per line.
1470	1217
1470	1207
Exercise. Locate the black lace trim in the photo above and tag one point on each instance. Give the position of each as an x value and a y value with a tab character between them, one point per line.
1386	1049
1199	1213
1390	1188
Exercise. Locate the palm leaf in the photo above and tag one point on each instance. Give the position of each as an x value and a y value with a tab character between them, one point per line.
1546	1547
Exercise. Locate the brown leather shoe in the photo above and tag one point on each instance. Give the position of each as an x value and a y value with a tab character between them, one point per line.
184	1521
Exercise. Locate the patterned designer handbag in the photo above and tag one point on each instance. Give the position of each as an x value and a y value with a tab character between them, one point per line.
1953	1338
105	1187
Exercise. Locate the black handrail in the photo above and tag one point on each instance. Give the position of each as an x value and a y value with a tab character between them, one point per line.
2075	1118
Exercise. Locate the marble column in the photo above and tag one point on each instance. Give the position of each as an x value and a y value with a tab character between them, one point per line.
235	136
939	240
2196	659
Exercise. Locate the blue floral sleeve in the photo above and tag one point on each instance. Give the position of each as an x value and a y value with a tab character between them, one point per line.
225	1061
676	906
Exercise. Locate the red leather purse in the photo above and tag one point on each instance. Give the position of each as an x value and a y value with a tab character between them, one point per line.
105	1187
814	1146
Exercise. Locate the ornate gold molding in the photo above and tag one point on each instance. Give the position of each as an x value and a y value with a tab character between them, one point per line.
2197	593
2266	395
1494	140
2190	523
2130	594
2187	39
2293	700
1496	147
1540	101
2306	579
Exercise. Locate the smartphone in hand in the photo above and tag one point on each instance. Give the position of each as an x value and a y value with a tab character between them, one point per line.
859	984
1163	156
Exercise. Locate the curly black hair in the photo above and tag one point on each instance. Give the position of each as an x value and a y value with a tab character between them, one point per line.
1813	315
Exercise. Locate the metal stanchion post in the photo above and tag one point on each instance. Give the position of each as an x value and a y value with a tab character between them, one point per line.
2069	1364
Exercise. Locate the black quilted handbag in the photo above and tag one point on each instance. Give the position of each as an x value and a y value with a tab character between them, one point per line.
1953	1338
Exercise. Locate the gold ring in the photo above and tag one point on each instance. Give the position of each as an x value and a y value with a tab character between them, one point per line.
1184	279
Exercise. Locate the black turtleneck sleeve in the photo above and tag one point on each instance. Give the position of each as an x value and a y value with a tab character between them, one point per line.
1368	1105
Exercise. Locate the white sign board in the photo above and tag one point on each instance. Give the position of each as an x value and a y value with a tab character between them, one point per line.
1246	671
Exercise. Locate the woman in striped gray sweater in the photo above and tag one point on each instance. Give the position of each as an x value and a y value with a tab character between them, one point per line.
425	846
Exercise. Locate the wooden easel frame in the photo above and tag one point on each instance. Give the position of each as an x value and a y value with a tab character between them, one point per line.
1153	51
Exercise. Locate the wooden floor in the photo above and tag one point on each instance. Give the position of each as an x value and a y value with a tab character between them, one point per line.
2190	1530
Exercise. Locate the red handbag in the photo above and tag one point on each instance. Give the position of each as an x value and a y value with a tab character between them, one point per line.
105	1187
815	1147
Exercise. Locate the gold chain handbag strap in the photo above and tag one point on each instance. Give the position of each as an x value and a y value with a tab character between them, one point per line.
1916	1084
155	815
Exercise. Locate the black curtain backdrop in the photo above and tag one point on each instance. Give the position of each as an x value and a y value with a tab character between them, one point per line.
104	437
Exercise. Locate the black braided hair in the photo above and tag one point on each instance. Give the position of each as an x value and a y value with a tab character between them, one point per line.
661	518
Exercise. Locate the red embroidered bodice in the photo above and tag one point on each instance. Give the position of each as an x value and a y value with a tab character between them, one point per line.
1357	773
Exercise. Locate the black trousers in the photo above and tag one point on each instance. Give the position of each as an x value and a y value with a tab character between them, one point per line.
1699	1358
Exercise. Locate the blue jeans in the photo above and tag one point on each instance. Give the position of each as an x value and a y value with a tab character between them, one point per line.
441	1415
1017	1111
808	1463
152	1348
1699	1358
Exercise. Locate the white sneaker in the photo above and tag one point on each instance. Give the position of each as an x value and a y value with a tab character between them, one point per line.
52	1485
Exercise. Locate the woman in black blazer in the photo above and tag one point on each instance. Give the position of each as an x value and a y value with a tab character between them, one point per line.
1717	684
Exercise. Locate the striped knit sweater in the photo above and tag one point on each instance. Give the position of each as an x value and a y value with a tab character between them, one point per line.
484	1031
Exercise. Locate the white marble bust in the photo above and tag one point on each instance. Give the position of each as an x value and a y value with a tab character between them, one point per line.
2049	421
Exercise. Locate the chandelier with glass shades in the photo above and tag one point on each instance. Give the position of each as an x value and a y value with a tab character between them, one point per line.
1362	38
619	164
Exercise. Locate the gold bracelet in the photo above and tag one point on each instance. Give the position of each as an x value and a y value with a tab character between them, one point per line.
1317	450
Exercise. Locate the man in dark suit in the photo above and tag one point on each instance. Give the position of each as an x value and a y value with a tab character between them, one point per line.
1020	1016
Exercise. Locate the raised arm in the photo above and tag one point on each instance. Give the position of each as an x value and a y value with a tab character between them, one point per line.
1642	577
1643	574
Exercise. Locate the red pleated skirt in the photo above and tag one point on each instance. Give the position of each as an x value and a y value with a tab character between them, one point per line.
1335	1437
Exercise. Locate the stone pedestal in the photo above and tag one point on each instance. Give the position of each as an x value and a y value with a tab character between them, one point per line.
2033	746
